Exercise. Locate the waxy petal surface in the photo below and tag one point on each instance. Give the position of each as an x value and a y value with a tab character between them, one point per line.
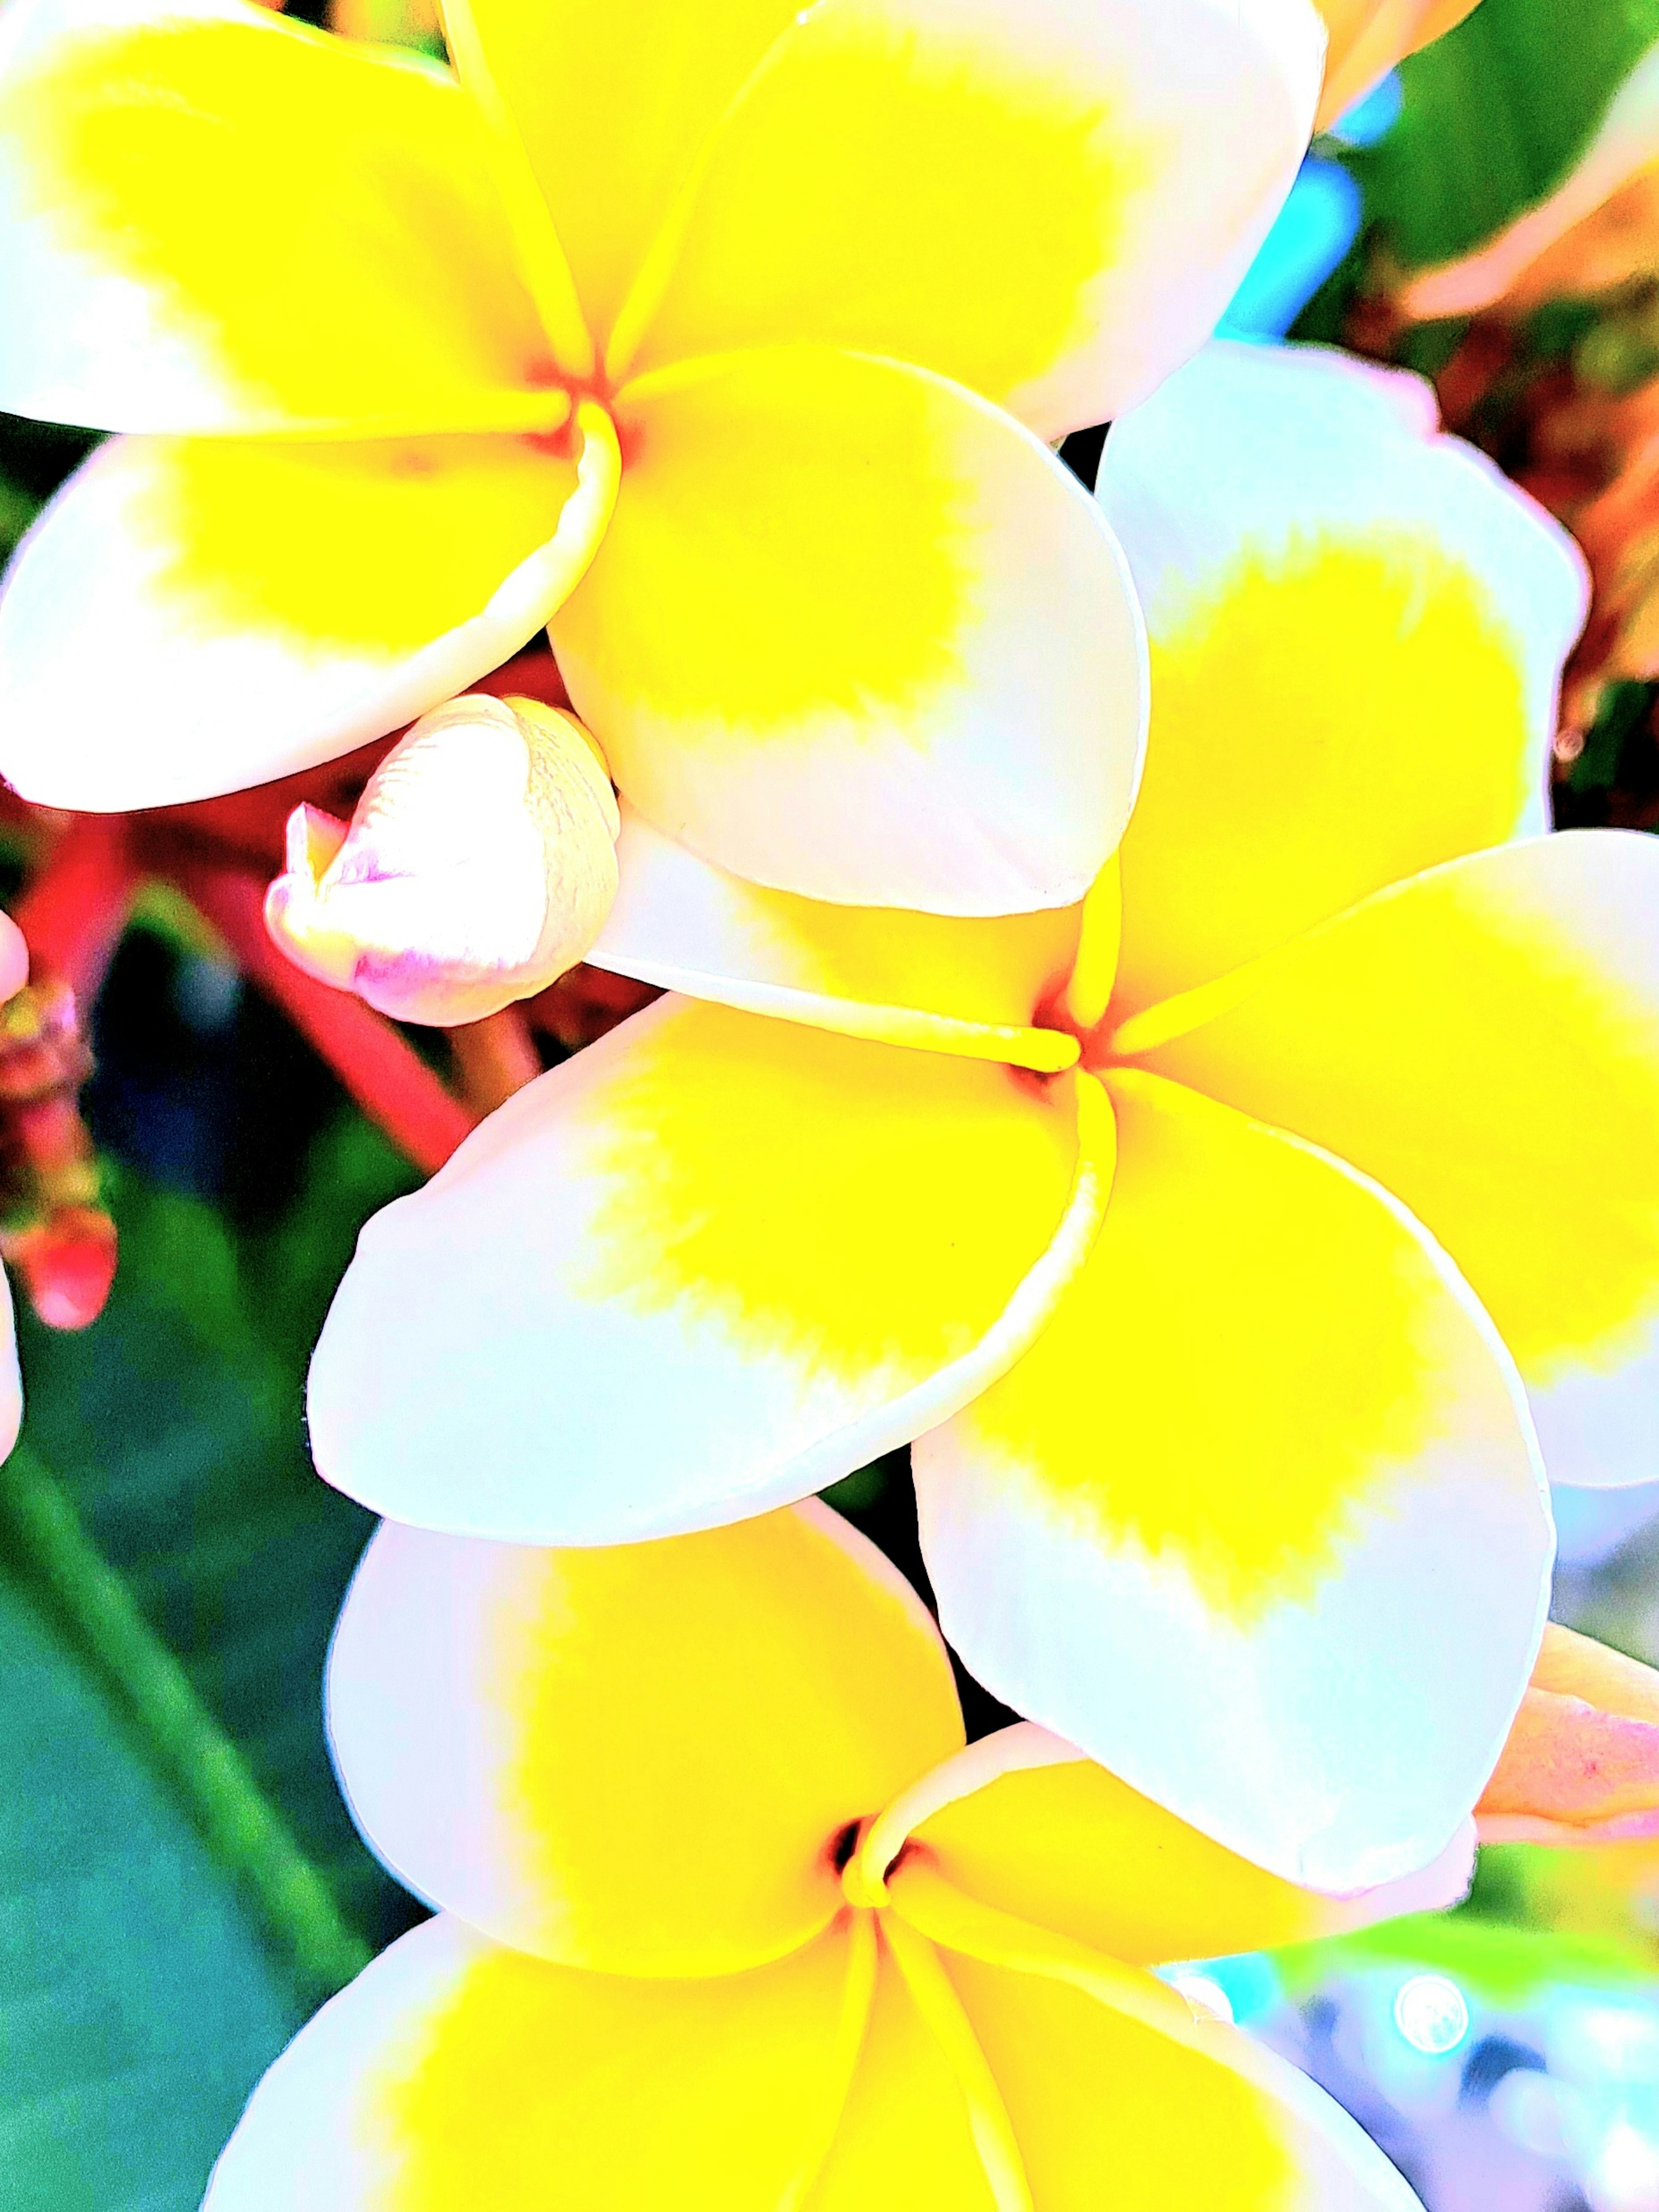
1484	1041
636	1757
853	633
904	2138
1051	203
451	2074
190	615
710	1264
956	983
1178	2128
1356	631
1582	1762
1258	1520
610	105
214	219
1024	1822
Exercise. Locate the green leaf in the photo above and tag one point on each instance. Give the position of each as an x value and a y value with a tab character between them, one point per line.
180	1882
138	2003
1494	115
17	511
175	1426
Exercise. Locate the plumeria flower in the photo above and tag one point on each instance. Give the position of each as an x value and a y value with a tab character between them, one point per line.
1582	1762
688	333
1195	1237
1368	37
729	1916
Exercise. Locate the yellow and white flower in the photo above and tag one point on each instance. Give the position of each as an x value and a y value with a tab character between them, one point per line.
731	1920
1196	1235
689	333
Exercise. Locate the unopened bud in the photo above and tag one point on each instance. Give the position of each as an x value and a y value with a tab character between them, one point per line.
14	958
480	863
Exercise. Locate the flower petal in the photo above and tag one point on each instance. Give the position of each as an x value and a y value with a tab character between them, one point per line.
1024	1822
168	263
193	615
904	2140
1484	1041
611	101
712	1264
1582	1762
1257	1521
1222	2121
640	1757
451	2074
951	982
1356	628
1368	37
1051	202
854	633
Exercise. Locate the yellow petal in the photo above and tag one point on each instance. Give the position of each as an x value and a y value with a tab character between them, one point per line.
1483	1040
904	2142
1257	1521
611	104
194	615
1356	631
1368	37
1024	1822
453	2075
854	634
710	1264
1177	2127
1051	203
642	1758
212	218
945	982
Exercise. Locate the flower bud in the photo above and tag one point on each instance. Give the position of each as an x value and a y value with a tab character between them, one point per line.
480	865
1582	1762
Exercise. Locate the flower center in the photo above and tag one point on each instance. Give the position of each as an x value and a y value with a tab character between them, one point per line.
865	1891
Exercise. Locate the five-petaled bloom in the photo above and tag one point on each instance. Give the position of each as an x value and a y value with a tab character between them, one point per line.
724	342
731	1918
1210	1243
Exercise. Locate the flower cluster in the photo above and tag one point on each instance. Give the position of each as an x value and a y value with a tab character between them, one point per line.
1123	1020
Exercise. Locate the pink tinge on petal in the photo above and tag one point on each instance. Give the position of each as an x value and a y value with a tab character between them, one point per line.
1582	1762
480	865
14	958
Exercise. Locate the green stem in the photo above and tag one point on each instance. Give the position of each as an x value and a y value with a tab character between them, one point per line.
187	1746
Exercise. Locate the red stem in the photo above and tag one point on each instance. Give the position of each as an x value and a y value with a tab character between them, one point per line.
381	1069
73	912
